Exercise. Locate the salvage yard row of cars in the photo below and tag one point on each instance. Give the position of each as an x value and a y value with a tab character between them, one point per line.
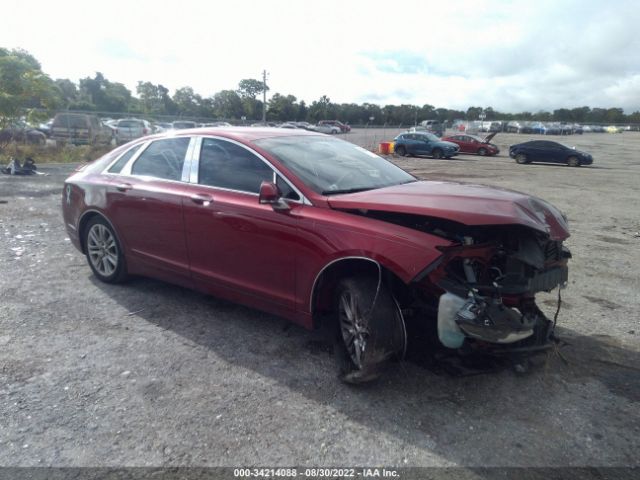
327	234
417	142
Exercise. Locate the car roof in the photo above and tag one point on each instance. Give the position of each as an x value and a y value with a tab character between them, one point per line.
246	134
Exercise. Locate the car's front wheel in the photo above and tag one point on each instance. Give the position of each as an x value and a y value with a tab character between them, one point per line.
482	152
573	161
104	252
437	153
370	328
401	151
521	158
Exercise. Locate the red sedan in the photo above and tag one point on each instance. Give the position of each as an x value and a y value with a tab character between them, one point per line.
324	233
474	144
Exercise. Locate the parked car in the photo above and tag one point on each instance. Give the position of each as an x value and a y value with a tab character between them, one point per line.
183	124
344	128
513	127
129	129
549	152
160	127
80	129
327	235
45	127
474	144
217	124
424	144
324	128
434	126
18	131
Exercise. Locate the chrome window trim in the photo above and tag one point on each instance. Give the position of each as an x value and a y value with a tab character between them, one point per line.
195	165
142	146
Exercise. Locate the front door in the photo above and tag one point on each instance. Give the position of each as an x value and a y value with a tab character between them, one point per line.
243	250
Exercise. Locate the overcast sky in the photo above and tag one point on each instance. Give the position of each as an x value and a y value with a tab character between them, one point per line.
513	56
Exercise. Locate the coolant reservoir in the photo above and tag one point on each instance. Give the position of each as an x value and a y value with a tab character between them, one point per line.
449	333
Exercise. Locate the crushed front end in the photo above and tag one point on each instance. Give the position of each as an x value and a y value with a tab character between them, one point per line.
483	288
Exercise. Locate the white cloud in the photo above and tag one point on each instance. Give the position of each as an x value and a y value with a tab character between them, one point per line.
509	55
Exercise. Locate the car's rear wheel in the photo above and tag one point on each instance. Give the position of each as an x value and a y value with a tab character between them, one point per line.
482	152
521	158
437	153
401	151
370	328
573	161
104	252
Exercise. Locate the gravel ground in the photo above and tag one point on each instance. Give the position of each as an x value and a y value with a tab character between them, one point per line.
149	374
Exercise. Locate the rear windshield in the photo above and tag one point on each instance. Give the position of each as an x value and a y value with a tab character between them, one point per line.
70	121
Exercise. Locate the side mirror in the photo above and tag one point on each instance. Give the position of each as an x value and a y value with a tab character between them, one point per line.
270	194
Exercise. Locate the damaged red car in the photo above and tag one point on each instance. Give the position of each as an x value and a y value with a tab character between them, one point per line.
474	144
326	234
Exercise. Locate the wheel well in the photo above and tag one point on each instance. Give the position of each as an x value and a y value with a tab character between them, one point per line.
326	283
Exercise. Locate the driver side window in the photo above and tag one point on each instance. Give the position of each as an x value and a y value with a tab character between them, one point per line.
227	165
162	159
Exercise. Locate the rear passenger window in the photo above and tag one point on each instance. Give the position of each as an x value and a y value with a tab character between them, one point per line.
117	167
162	159
227	165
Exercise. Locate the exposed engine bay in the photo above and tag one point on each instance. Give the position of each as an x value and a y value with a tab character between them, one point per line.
483	287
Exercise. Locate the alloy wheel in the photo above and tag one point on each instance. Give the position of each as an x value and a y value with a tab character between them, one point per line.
102	250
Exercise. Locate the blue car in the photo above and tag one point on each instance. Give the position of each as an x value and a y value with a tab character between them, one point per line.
419	143
549	152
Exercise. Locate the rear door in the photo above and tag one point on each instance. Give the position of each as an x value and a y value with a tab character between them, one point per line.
145	202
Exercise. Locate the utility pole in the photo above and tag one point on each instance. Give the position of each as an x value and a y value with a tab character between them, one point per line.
264	97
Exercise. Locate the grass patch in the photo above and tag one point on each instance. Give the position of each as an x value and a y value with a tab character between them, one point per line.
50	154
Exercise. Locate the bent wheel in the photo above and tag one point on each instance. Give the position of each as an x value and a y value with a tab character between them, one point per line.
370	328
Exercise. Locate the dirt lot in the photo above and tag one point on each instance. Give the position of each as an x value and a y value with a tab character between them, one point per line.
148	374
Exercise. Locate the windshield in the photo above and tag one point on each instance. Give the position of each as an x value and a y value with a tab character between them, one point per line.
330	166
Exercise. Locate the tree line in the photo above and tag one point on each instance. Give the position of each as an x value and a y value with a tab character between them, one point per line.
26	90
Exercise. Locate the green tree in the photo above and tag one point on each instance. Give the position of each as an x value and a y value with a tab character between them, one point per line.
24	88
105	96
250	88
227	104
282	107
473	113
155	99
187	101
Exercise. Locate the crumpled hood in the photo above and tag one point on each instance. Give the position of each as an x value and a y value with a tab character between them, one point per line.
463	203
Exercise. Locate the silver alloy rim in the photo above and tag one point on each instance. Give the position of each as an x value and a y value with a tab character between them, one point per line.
353	328
103	250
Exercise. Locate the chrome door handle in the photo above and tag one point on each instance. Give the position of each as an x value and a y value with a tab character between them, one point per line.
123	187
201	199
